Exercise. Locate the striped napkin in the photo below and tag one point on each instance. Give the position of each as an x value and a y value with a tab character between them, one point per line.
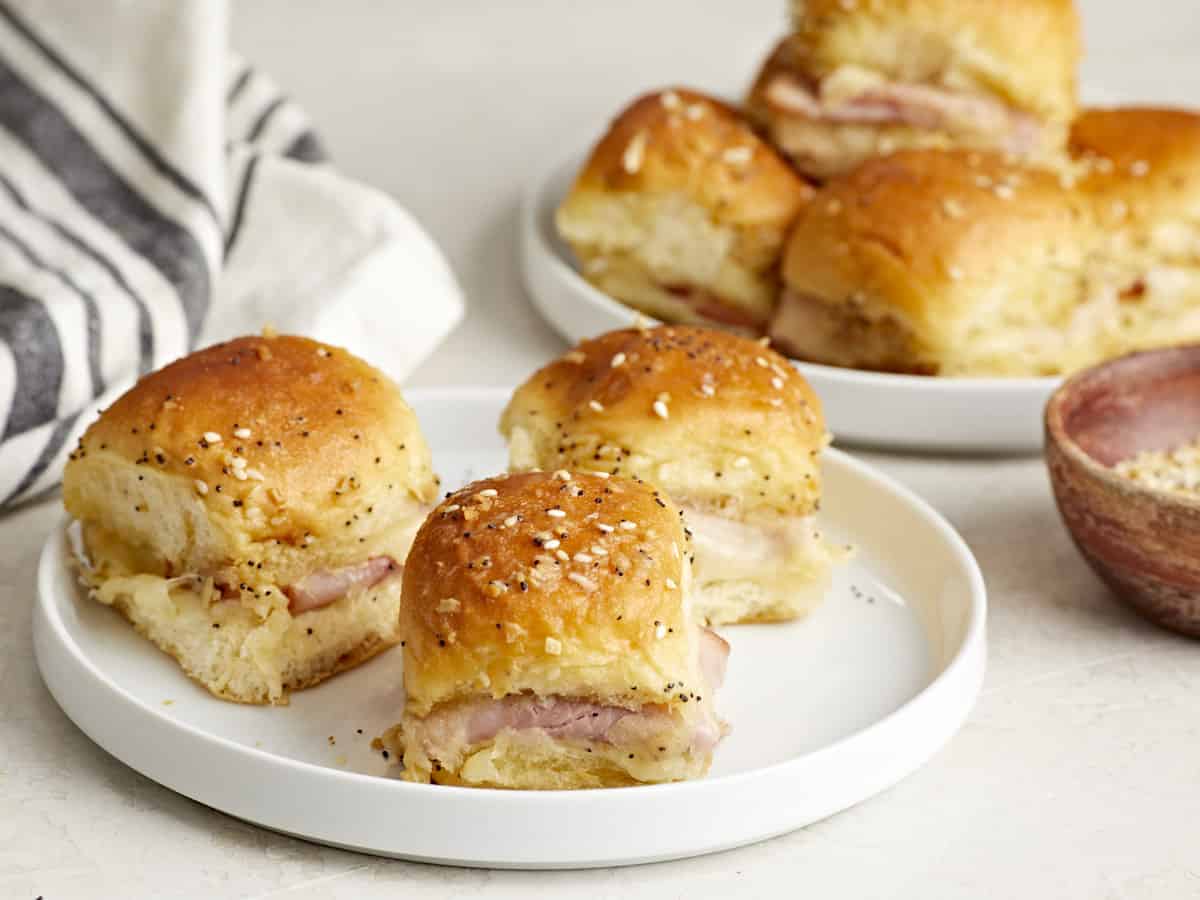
157	194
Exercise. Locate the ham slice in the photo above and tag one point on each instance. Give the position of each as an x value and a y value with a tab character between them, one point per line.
324	587
558	716
789	95
714	655
712	308
919	105
573	719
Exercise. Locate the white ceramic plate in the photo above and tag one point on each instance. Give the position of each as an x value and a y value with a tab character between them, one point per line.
902	411
825	712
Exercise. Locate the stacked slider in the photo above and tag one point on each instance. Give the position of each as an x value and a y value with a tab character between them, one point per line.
866	78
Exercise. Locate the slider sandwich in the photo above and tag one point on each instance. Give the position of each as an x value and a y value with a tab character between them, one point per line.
725	426
249	509
681	212
940	263
865	78
549	641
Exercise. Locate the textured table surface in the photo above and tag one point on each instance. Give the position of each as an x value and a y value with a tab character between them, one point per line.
1078	774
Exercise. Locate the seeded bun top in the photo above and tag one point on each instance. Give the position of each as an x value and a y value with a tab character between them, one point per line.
558	584
715	420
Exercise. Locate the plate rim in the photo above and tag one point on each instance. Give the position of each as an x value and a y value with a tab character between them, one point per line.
963	671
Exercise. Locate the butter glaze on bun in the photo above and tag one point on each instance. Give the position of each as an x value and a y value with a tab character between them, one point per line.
226	497
681	212
535	600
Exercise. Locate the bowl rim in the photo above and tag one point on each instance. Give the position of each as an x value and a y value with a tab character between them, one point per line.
1059	438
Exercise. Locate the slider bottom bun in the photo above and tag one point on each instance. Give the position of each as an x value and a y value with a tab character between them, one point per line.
252	655
1110	309
746	601
760	571
532	759
544	742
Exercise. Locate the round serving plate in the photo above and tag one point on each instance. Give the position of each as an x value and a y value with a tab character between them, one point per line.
825	712
977	415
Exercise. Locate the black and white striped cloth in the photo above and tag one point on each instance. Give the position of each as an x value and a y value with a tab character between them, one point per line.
158	194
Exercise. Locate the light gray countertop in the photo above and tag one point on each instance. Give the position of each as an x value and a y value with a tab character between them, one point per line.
1077	775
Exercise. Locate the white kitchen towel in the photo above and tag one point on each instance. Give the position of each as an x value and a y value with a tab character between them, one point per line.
157	194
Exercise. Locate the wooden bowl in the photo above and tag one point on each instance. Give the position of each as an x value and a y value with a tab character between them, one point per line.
1144	543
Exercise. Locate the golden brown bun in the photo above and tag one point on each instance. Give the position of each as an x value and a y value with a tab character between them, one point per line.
681	211
503	595
928	80
925	261
715	420
1025	51
683	144
1141	165
333	463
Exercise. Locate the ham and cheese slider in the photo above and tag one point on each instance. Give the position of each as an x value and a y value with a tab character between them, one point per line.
864	78
249	509
940	263
725	426
681	212
549	641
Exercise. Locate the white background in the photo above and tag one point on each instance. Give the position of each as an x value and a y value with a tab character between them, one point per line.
1078	776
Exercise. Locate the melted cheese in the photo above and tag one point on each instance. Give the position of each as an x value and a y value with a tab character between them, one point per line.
847	83
727	549
752	572
155	592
